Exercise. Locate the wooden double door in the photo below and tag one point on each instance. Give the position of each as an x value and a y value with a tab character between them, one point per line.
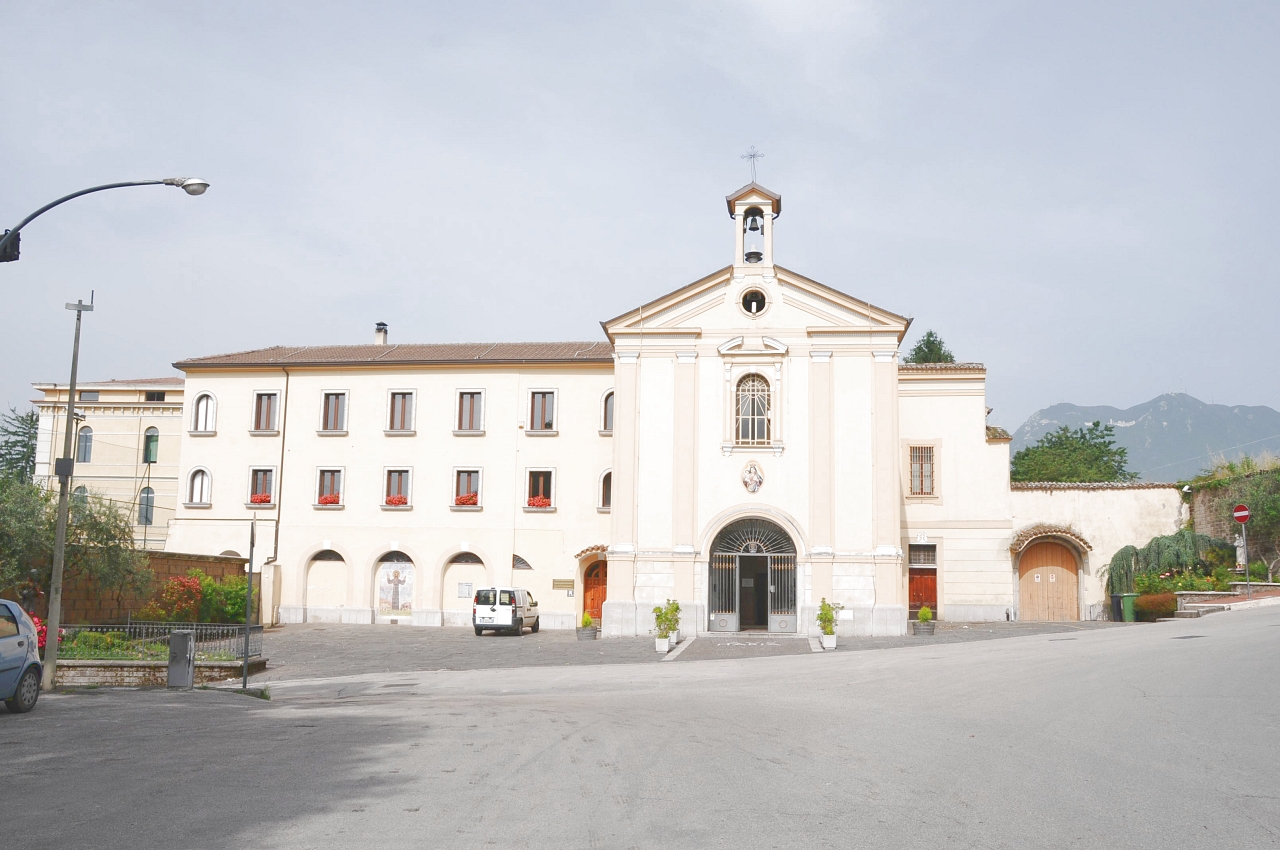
595	582
922	587
1048	583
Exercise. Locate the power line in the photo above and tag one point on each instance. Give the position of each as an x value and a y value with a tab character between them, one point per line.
1209	454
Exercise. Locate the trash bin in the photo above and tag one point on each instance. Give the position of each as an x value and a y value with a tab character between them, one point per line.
1127	604
1117	608
182	659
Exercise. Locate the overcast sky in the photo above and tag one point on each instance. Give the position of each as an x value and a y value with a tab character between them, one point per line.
1081	195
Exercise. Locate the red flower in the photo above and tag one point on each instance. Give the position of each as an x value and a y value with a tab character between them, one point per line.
397	501
467	499
539	502
260	499
42	631
330	499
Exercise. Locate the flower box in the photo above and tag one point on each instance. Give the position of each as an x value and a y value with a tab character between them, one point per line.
467	499
397	501
330	499
539	502
260	499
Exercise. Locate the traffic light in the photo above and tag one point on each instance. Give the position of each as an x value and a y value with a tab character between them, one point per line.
10	252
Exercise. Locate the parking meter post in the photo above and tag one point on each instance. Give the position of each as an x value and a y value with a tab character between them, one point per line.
248	601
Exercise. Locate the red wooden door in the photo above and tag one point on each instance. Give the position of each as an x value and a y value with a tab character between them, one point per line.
594	584
922	587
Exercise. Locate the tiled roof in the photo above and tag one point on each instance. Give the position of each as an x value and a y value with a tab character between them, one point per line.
995	432
410	354
1091	485
597	549
1033	532
941	367
116	383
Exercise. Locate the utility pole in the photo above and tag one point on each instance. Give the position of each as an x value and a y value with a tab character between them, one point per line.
248	601
63	467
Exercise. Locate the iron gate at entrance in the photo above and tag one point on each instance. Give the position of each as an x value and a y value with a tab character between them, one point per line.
752	578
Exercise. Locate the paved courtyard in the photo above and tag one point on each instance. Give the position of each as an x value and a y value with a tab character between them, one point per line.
1123	737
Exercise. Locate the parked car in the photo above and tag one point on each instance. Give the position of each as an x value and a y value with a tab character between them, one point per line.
504	609
20	668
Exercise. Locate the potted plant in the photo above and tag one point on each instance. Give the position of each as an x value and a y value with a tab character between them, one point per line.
397	501
666	620
467	500
924	621
260	499
827	622
588	630
330	499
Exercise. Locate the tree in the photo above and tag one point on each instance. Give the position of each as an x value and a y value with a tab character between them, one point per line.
99	540
18	433
1083	454
930	349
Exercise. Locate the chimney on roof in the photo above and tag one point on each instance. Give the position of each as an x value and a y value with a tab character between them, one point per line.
380	333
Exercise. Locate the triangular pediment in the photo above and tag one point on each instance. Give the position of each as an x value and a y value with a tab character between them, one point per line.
798	306
754	192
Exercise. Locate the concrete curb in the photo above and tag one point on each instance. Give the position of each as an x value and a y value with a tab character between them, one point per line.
680	647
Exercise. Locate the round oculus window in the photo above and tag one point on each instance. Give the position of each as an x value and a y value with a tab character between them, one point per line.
753	302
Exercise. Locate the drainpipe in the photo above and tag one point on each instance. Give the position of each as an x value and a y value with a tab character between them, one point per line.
284	434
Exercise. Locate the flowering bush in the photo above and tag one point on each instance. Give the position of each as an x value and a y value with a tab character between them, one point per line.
397	501
539	502
260	499
467	499
180	599
42	631
331	499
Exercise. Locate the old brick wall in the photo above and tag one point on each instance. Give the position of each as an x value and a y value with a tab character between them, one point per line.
1210	514
84	602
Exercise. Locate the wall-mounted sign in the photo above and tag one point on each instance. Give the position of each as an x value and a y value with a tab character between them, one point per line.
562	584
464	590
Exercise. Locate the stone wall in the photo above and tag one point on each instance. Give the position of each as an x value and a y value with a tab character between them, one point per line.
84	602
1210	514
146	674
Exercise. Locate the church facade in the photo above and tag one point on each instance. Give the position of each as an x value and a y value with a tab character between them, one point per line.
747	445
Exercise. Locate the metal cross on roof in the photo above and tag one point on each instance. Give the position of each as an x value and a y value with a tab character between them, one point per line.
751	156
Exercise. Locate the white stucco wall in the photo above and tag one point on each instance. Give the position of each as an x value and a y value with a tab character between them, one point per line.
1109	517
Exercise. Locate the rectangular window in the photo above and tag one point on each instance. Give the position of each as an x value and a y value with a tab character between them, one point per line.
921	555
264	412
334	414
469	412
261	486
155	395
330	492
88	395
397	494
466	488
922	470
401	412
540	491
486	597
542	411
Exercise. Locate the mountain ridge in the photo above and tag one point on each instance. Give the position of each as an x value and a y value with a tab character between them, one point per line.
1172	437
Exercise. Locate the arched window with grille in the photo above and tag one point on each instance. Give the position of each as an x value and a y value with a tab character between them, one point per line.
146	506
84	445
150	445
202	419
198	488
751	426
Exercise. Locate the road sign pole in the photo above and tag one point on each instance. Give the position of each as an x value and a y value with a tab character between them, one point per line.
1244	539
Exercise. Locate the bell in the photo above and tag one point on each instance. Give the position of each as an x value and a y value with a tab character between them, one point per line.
754	256
753	224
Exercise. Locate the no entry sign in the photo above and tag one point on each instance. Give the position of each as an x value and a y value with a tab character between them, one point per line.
1241	513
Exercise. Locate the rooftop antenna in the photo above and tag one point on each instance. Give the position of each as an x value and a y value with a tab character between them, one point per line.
751	156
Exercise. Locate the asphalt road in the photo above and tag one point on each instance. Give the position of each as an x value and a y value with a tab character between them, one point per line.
1155	736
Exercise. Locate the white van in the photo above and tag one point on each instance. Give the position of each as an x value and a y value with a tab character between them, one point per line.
504	609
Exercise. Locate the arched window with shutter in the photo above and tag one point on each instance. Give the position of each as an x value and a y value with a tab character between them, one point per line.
146	506
150	445
202	419
198	488
84	445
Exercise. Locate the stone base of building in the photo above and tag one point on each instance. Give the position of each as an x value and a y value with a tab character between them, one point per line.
299	614
955	613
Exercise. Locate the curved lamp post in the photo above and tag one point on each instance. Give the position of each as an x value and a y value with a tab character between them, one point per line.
190	185
64	465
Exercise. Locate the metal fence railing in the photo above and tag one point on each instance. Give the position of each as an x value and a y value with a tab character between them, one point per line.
146	641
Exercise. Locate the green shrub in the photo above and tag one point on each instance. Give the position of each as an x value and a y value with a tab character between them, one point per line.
1155	606
925	615
667	618
827	616
587	622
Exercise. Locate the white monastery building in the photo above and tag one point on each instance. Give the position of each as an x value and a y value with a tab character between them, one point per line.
747	445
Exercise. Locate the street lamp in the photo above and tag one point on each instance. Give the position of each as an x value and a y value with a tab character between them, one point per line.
64	466
10	241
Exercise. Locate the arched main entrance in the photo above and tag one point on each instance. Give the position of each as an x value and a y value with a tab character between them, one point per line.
752	580
595	580
1047	583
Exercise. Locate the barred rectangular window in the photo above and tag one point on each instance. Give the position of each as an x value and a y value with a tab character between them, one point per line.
922	470
922	555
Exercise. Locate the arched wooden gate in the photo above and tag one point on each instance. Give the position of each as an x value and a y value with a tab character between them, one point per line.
1048	583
